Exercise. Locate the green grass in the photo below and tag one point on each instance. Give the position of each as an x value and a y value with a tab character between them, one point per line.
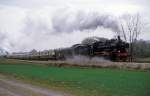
87	82
146	59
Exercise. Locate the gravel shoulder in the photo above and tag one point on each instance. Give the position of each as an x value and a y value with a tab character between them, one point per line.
106	64
12	87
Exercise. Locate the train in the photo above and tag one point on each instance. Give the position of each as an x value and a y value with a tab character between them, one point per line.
111	49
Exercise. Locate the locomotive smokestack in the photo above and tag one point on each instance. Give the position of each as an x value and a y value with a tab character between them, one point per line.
119	38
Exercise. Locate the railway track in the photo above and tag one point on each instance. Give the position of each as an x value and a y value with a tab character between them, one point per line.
103	64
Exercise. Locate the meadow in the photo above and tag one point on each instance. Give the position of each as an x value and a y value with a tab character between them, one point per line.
83	81
144	59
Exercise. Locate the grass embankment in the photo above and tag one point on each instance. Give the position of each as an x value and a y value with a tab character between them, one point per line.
144	59
83	82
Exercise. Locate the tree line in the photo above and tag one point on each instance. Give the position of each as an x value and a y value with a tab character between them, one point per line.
131	26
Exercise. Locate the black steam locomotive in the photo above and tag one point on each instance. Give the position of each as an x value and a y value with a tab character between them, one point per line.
113	49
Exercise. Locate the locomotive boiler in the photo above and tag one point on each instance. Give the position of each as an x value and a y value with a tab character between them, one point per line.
113	49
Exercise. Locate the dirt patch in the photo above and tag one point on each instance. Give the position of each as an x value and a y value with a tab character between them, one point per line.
12	87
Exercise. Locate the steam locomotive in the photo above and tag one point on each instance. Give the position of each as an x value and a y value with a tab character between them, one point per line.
112	49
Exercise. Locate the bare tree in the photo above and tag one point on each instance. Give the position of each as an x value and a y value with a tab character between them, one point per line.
131	26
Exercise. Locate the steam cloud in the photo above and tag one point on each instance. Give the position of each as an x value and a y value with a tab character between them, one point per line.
47	33
79	59
69	22
2	44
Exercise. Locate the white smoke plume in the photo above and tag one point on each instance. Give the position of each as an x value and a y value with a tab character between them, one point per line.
80	20
3	49
61	28
80	59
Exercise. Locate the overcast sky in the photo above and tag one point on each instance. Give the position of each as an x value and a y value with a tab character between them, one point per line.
48	24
